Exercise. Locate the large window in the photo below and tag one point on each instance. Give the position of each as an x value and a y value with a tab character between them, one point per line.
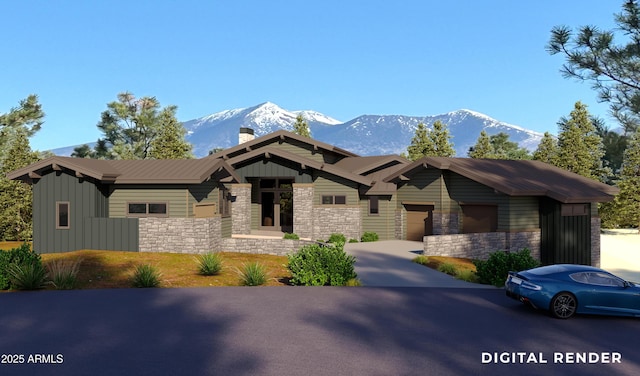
62	215
334	200
147	209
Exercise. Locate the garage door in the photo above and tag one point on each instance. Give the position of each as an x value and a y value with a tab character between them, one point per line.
419	221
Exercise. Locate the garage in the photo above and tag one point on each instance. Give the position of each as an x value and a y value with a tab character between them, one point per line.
419	220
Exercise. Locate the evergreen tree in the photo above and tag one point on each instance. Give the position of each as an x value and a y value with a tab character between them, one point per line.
580	148
27	118
591	55
169	143
430	143
505	149
301	127
547	150
482	148
16	197
626	205
129	125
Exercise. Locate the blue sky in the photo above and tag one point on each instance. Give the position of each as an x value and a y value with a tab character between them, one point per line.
341	58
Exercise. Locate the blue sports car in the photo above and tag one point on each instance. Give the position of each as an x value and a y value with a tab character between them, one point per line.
566	289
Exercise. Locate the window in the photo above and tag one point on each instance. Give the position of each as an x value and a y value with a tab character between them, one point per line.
147	209
62	215
224	201
374	205
334	200
574	209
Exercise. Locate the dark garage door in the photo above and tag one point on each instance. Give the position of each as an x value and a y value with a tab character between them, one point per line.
419	221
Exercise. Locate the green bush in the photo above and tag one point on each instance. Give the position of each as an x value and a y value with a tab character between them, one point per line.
317	265
353	282
209	263
146	276
27	276
421	259
291	236
253	274
337	239
369	237
21	255
448	268
494	271
63	273
353	240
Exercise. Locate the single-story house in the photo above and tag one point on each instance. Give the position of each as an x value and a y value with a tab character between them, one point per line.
283	182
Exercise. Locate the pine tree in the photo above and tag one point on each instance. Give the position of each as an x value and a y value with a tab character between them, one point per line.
580	149
441	140
482	148
547	150
16	197
301	127
421	145
626	204
169	143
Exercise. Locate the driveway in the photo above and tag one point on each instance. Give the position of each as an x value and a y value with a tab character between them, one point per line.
388	264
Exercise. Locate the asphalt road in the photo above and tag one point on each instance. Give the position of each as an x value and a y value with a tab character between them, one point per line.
300	331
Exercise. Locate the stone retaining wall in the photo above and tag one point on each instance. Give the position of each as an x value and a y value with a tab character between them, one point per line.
480	245
280	247
595	241
329	219
179	235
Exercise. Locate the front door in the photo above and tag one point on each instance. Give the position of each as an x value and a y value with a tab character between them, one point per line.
419	221
276	204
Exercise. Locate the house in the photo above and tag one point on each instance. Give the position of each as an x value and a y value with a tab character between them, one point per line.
283	182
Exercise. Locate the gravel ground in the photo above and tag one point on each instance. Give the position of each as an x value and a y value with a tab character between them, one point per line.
620	254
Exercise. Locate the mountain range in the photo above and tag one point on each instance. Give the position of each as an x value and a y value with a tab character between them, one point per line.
364	135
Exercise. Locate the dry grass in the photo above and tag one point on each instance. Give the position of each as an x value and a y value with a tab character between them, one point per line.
112	269
460	263
9	245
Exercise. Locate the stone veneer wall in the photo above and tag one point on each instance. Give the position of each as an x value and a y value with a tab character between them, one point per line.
595	241
400	219
445	223
480	245
179	235
303	210
329	219
241	209
280	247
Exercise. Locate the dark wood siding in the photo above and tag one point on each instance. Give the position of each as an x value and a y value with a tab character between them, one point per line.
115	234
275	167
86	199
564	239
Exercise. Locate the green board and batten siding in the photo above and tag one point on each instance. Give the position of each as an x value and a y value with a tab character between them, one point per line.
326	184
176	197
88	206
425	186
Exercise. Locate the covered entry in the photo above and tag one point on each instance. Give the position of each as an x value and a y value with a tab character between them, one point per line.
276	204
565	232
419	220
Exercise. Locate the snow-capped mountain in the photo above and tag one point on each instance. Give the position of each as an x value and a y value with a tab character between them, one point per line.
364	135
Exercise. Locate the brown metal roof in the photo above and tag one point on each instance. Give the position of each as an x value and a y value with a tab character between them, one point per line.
362	165
518	178
180	171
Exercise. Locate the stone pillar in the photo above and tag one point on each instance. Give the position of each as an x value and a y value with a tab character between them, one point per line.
595	241
400	221
240	208
303	210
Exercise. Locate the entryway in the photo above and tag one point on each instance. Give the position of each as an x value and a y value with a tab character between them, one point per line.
419	221
276	204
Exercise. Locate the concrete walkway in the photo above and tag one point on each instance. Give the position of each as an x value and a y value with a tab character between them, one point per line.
388	264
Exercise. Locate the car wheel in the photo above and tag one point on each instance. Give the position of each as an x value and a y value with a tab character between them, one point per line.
563	305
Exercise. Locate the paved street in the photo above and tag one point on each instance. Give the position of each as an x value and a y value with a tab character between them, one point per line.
300	331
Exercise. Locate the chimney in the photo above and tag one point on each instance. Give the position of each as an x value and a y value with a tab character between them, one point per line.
246	134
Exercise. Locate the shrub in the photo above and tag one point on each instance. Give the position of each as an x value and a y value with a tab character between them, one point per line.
353	282
467	275
369	237
291	236
448	268
422	260
27	276
209	263
63	273
494	270
353	240
21	255
317	265
146	276
253	274
337	239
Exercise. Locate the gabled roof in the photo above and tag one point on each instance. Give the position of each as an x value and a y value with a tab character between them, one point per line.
179	171
268	152
517	178
362	165
282	135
